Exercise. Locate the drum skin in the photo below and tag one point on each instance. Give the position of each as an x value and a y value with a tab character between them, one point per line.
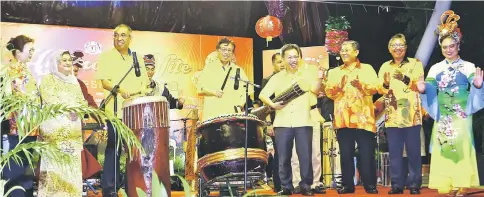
148	118
222	142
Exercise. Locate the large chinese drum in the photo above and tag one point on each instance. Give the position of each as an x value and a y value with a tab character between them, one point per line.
221	149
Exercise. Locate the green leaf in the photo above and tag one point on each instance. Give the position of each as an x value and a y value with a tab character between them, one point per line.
156	187
186	187
123	192
253	192
141	193
13	189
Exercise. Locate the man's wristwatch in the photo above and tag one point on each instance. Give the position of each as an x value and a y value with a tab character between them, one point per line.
406	80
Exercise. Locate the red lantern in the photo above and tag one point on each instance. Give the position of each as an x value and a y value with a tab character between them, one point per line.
268	27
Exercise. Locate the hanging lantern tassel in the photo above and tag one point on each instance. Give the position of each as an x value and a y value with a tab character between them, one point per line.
268	39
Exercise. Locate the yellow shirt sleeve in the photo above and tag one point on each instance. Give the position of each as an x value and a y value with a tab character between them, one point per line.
104	68
270	87
204	79
370	80
381	78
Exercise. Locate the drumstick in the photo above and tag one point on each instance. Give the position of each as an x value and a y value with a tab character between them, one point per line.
135	93
226	77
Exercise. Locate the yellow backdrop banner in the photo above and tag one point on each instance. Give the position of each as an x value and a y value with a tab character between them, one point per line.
180	56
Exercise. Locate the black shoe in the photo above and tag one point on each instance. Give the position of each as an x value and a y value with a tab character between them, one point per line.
307	192
346	190
319	190
284	192
414	191
297	190
371	189
396	191
277	189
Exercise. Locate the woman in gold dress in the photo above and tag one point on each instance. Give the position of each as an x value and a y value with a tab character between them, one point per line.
60	86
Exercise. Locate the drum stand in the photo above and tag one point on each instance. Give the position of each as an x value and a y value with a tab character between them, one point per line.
246	113
114	94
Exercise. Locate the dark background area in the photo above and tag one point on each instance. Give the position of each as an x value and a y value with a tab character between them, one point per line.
371	25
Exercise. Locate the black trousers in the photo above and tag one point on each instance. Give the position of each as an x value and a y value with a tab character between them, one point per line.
397	137
16	174
366	150
285	141
272	168
111	169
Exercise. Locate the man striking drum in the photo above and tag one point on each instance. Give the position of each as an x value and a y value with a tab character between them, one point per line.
293	120
112	66
220	96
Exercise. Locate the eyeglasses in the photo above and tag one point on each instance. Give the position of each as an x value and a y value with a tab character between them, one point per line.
226	50
397	46
345	51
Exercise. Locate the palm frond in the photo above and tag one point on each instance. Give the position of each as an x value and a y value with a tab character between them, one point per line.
27	150
31	114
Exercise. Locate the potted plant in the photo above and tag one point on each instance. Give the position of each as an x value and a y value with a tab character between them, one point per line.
336	33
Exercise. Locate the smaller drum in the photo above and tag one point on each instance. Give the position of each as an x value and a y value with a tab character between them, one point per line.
331	160
148	118
221	147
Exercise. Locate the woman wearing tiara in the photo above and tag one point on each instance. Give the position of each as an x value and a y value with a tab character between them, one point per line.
446	97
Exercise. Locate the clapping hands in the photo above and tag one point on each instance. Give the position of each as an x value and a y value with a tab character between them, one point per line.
356	83
478	78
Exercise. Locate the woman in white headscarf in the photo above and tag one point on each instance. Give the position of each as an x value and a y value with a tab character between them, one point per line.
60	86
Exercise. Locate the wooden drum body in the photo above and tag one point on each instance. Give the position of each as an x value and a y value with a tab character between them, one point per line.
148	118
221	148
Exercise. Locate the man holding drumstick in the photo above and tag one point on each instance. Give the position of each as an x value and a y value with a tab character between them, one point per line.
112	66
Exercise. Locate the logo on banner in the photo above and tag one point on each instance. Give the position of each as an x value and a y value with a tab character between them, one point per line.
92	48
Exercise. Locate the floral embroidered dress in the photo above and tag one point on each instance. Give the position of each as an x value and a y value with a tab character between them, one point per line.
59	179
450	103
23	84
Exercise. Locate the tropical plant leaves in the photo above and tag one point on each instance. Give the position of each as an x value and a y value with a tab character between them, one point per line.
30	115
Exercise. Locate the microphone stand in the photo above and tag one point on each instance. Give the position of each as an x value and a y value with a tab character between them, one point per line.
114	94
247	83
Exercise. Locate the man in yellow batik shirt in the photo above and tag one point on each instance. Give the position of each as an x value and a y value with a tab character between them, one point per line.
293	119
403	111
112	66
218	101
352	86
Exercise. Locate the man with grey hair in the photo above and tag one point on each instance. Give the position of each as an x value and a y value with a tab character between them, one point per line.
352	86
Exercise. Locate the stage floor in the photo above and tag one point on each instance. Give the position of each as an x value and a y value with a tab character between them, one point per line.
360	192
